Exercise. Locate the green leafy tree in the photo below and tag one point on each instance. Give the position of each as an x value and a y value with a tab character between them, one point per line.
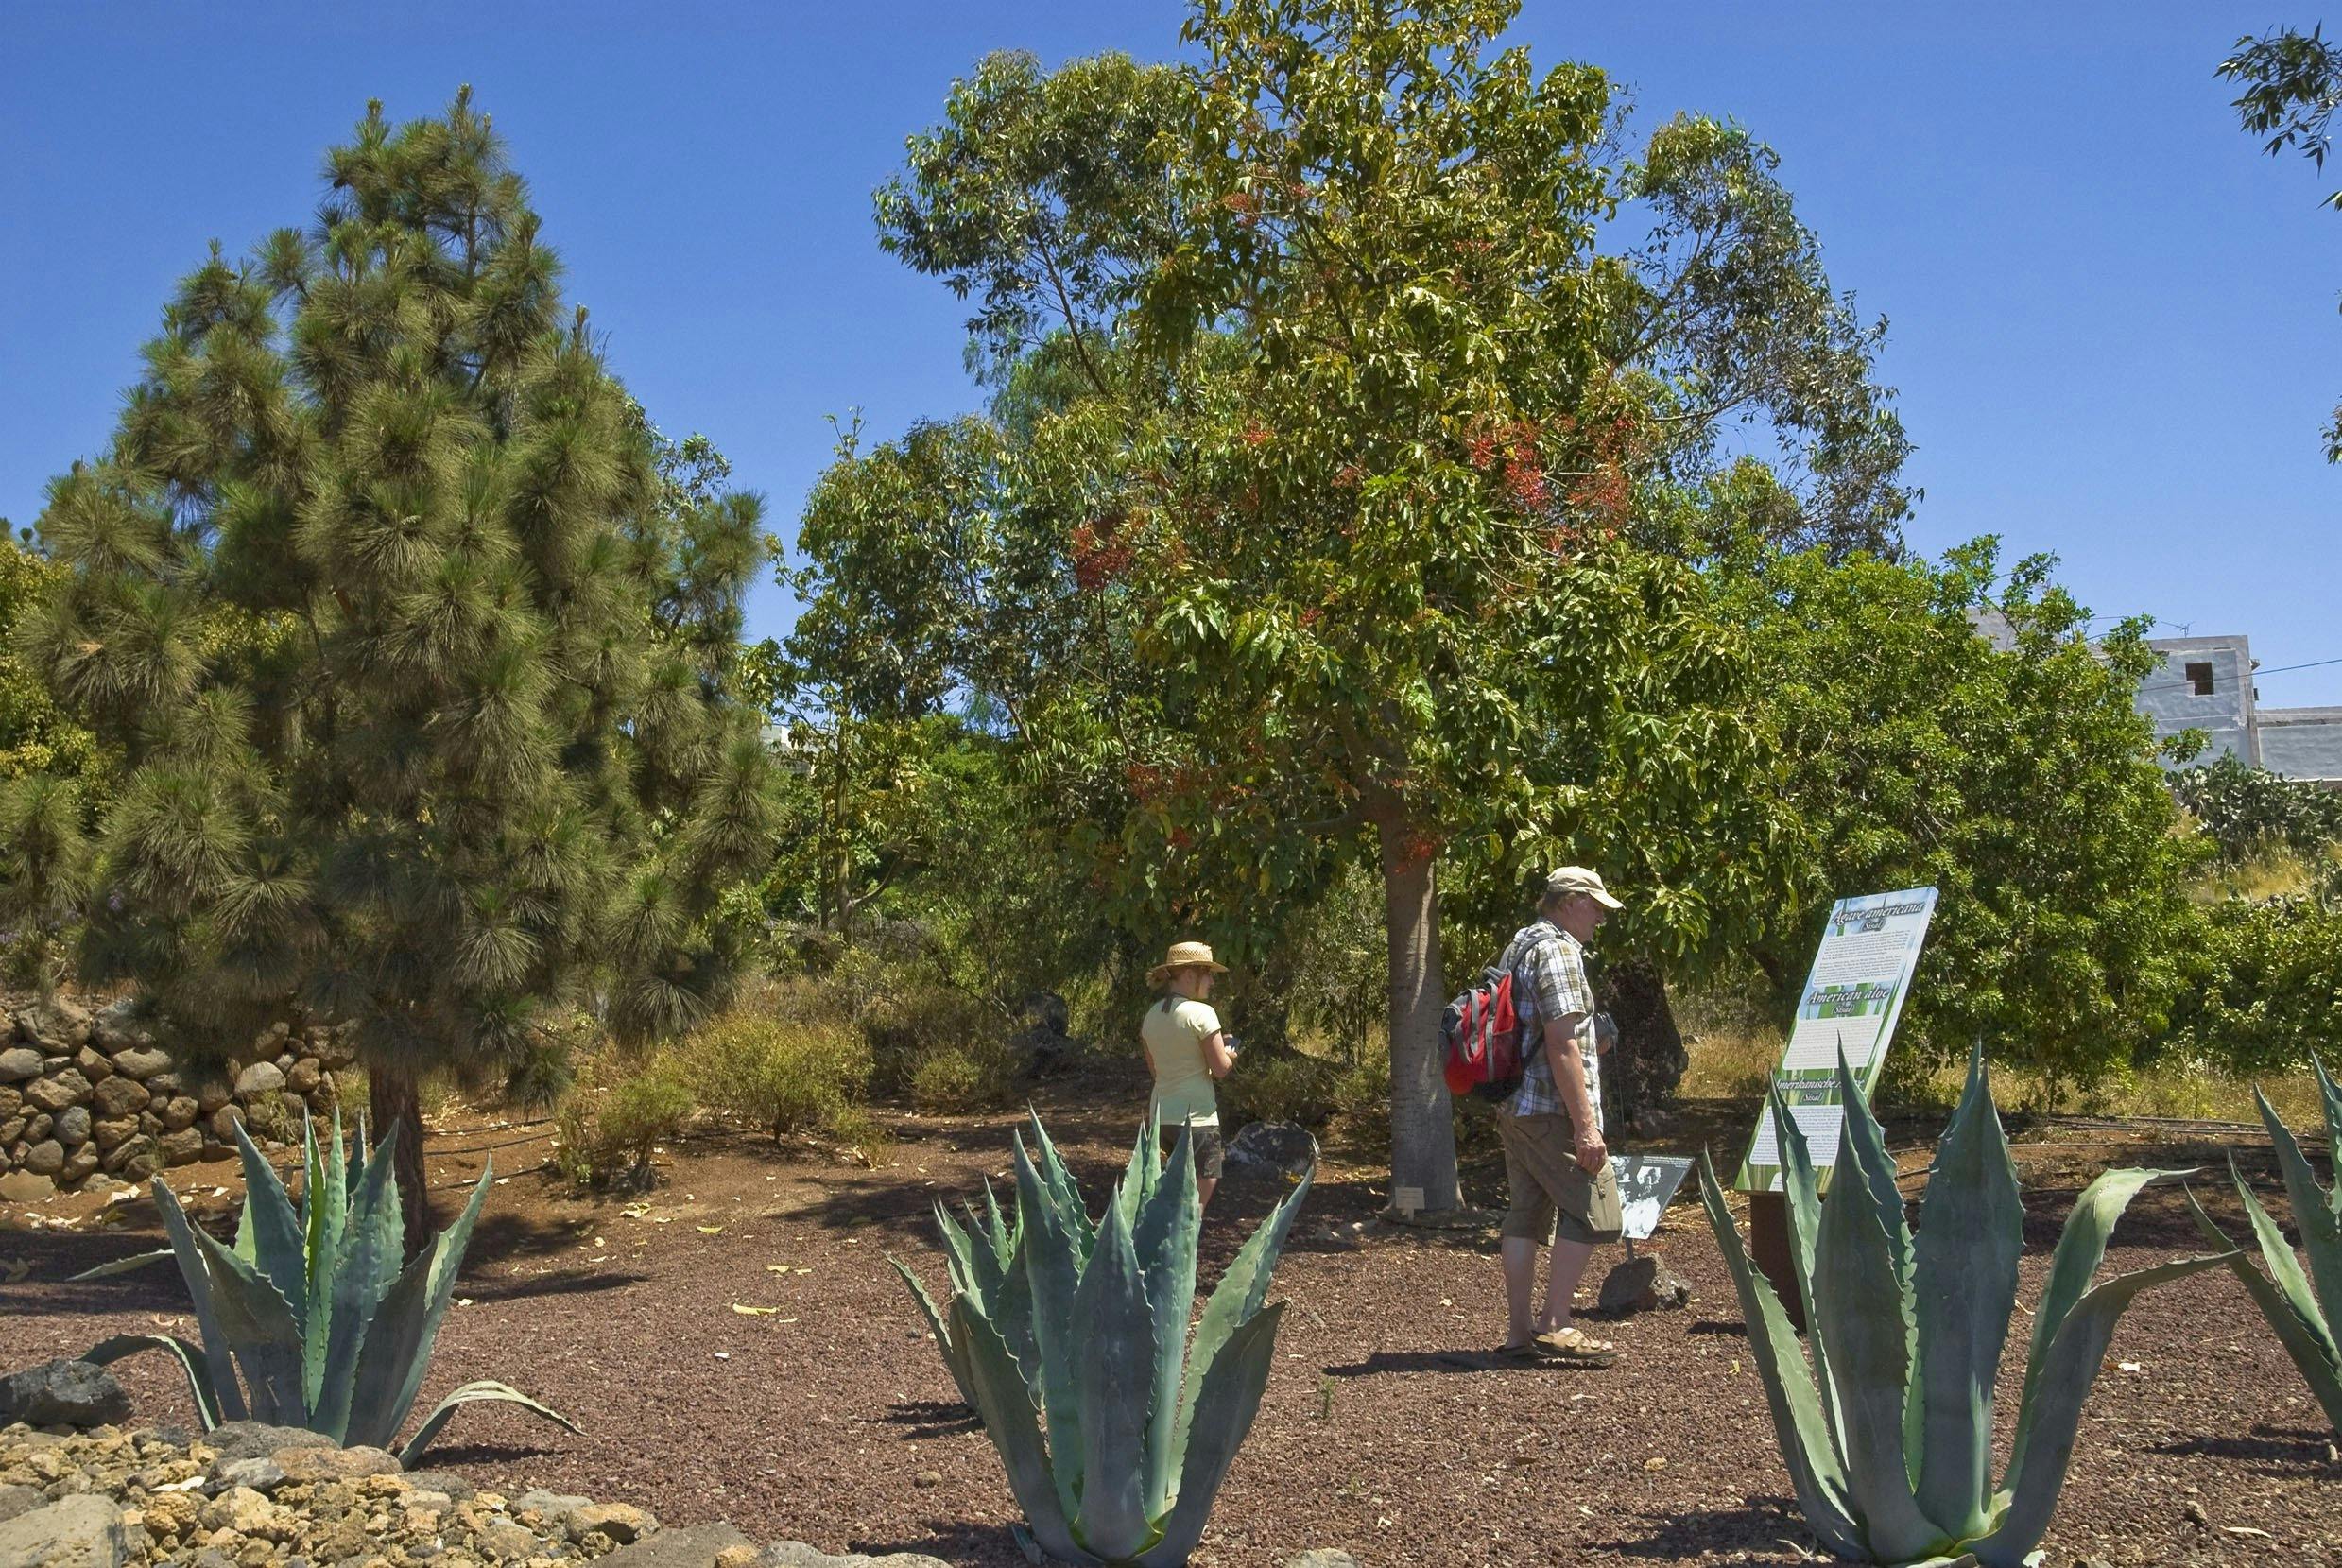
2292	84
415	648
1320	513
2009	770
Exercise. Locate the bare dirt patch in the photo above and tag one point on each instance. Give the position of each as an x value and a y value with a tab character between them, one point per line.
823	1414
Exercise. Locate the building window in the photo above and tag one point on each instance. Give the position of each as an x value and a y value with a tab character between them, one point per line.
2199	677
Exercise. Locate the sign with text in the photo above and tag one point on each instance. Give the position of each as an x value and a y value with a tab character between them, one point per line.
1852	1000
1646	1183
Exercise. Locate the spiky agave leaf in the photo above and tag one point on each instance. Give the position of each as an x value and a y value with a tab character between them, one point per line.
191	1361
1114	1376
1011	1421
1169	1224
1233	1302
2283	1296
1224	1405
1053	1263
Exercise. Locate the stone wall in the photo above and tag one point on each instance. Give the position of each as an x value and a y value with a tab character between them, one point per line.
83	1091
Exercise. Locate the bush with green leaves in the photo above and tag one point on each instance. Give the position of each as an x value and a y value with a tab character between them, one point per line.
2243	808
311	1305
2267	988
781	1074
1888	1434
605	1133
1082	1324
2298	1306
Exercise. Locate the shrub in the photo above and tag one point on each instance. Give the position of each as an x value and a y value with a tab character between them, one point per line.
780	1075
2242	809
2270	987
604	1135
1280	1086
977	1074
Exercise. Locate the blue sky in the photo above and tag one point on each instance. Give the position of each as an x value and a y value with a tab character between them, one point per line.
2112	322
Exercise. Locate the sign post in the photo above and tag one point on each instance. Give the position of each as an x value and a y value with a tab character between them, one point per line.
1852	998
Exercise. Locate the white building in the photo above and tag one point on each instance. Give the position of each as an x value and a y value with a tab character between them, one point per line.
2206	683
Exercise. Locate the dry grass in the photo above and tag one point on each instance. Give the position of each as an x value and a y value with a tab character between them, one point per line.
2270	871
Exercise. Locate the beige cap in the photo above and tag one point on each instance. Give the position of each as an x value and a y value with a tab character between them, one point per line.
1182	956
1578	879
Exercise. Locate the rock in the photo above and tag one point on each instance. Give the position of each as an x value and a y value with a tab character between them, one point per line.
261	1078
256	1440
162	1085
16	1500
692	1548
93	1066
211	1094
111	1134
57	1091
78	1165
85	1531
151	1123
64	1393
141	1062
45	1158
23	1187
176	1113
309	1466
1276	1149
501	1540
12	1130
137	1160
73	1126
445	1481
1321	1557
119	1096
249	1514
39	1126
19	1064
59	1023
116	1025
1642	1284
261	1475
622	1524
183	1147
302	1078
223	1122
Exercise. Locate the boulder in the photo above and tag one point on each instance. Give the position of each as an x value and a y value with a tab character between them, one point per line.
178	1111
15	1500
93	1065
1274	1149
137	1160
692	1548
84	1531
24	1186
223	1123
183	1147
796	1554
79	1165
18	1063
1321	1557
259	1475
57	1091
117	1024
261	1078
73	1126
64	1393
60	1024
255	1439
303	1077
113	1134
37	1127
141	1062
212	1094
11	1099
151	1123
308	1466
119	1096
45	1158
1641	1284
12	1130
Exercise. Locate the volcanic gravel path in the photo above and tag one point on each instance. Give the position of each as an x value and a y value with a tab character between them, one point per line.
831	1419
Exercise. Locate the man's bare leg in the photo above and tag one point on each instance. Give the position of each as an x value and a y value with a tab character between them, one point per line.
1520	1258
1569	1266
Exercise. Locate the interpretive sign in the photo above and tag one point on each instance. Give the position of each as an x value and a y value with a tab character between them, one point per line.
1851	1003
1646	1183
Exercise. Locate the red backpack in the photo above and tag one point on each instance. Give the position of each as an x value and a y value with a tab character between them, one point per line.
1480	1038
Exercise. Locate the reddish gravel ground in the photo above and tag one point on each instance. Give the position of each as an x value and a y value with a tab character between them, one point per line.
832	1421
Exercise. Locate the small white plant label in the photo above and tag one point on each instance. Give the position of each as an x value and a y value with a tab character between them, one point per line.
1408	1200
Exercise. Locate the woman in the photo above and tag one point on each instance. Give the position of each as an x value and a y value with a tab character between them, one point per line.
1186	1051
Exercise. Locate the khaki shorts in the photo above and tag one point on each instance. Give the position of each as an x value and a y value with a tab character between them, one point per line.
1211	1152
1542	1169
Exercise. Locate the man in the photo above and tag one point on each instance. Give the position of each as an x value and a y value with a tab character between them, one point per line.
1556	1163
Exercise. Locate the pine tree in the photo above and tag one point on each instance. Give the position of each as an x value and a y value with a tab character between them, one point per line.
415	637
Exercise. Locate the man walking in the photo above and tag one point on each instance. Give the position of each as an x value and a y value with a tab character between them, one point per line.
1556	1163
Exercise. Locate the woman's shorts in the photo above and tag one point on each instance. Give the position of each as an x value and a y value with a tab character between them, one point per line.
1209	1151
1546	1181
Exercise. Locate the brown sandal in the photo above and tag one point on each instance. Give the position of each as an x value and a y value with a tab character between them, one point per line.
1571	1348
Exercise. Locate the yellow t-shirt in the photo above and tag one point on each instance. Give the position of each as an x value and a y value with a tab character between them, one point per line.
1175	1035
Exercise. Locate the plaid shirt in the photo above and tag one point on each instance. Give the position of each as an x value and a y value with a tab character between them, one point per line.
1549	981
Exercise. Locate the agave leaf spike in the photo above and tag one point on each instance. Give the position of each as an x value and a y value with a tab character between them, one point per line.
191	1360
2283	1296
1168	1228
1860	1315
1008	1418
1052	1271
353	1303
1115	1365
1232	1305
407	1323
472	1393
954	1354
217	1359
2321	1231
1972	1235
2037	1472
278	1247
1228	1401
1802	1203
255	1319
959	1256
1807	1445
2330	1096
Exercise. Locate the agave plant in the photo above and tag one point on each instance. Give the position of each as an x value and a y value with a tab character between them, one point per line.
1082	1325
311	1303
1888	1435
2296	1313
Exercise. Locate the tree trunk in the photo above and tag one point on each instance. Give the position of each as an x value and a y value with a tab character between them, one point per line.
392	1101
1641	1075
1422	1123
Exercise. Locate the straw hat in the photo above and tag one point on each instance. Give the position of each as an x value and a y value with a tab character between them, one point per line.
1182	954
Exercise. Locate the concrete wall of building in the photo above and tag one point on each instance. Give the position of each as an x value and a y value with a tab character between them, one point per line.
2303	743
2174	699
